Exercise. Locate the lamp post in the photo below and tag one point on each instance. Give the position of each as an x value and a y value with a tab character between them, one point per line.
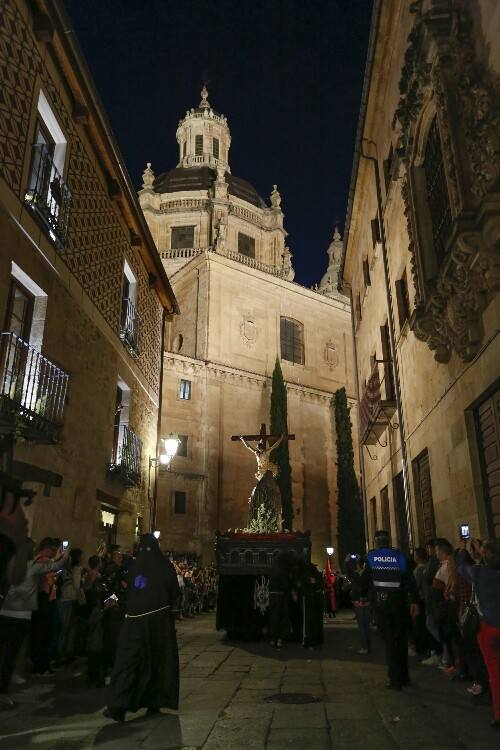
168	449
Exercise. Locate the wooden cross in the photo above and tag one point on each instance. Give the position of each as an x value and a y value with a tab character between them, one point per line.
263	436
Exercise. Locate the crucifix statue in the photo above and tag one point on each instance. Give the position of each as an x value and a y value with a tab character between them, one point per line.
265	500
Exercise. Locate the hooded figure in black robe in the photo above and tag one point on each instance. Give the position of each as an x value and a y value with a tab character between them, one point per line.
312	607
146	670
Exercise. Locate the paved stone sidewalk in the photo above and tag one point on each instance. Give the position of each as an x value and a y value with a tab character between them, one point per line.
223	703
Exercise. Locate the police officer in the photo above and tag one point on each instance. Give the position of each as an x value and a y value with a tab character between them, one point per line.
393	588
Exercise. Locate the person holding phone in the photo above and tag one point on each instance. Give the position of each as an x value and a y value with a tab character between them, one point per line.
15	617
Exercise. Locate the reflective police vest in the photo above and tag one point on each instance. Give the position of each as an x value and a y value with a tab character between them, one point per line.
387	566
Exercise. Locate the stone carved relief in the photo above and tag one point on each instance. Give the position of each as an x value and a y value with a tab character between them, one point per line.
331	354
249	331
441	66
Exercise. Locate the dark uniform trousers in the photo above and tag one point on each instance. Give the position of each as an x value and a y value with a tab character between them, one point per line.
392	619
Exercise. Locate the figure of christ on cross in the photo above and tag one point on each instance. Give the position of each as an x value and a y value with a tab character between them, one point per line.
262	453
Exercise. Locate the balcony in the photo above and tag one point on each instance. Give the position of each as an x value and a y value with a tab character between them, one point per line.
32	391
130	329
125	465
376	412
48	195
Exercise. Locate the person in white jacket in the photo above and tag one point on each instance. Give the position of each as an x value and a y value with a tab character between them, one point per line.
15	617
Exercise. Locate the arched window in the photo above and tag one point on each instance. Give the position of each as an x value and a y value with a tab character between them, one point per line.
292	340
437	191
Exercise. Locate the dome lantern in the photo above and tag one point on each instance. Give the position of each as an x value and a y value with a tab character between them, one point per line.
203	136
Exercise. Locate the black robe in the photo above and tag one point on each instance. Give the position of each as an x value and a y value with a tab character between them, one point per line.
146	671
312	607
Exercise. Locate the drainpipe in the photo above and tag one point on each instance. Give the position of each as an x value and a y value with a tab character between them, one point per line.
392	338
360	446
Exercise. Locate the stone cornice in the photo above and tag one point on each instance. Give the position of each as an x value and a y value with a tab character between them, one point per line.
216	371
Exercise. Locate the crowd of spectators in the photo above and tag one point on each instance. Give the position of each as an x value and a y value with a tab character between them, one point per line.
198	586
66	609
457	629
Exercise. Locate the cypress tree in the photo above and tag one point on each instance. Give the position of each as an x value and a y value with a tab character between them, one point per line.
279	425
350	522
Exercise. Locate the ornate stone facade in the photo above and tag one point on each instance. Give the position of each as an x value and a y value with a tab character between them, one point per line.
430	122
443	77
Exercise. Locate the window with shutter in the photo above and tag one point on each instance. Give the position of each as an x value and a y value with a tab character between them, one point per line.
180	502
388	168
182	449
292	340
375	231
246	245
366	273
423	492
403	300
488	437
400	513
181	237
386	513
386	356
358	308
198	145
373	509
215	148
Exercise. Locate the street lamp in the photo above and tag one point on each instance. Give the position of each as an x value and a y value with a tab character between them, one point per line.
168	449
330	551
170	446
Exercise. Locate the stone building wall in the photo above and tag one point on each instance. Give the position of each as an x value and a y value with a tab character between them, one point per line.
448	349
81	283
238	312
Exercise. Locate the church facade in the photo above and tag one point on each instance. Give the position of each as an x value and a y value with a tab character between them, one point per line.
225	251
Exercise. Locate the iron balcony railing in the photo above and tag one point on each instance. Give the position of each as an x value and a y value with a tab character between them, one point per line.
377	404
32	389
126	460
130	332
47	194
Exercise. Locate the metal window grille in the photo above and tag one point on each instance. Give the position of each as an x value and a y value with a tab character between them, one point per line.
198	145
47	194
437	191
130	332
31	387
185	390
127	455
292	341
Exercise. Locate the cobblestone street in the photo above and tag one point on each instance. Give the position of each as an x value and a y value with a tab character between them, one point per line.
224	688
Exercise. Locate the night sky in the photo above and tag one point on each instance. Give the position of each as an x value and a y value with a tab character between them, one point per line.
287	74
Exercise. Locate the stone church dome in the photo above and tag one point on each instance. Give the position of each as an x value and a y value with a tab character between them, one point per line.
202	178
